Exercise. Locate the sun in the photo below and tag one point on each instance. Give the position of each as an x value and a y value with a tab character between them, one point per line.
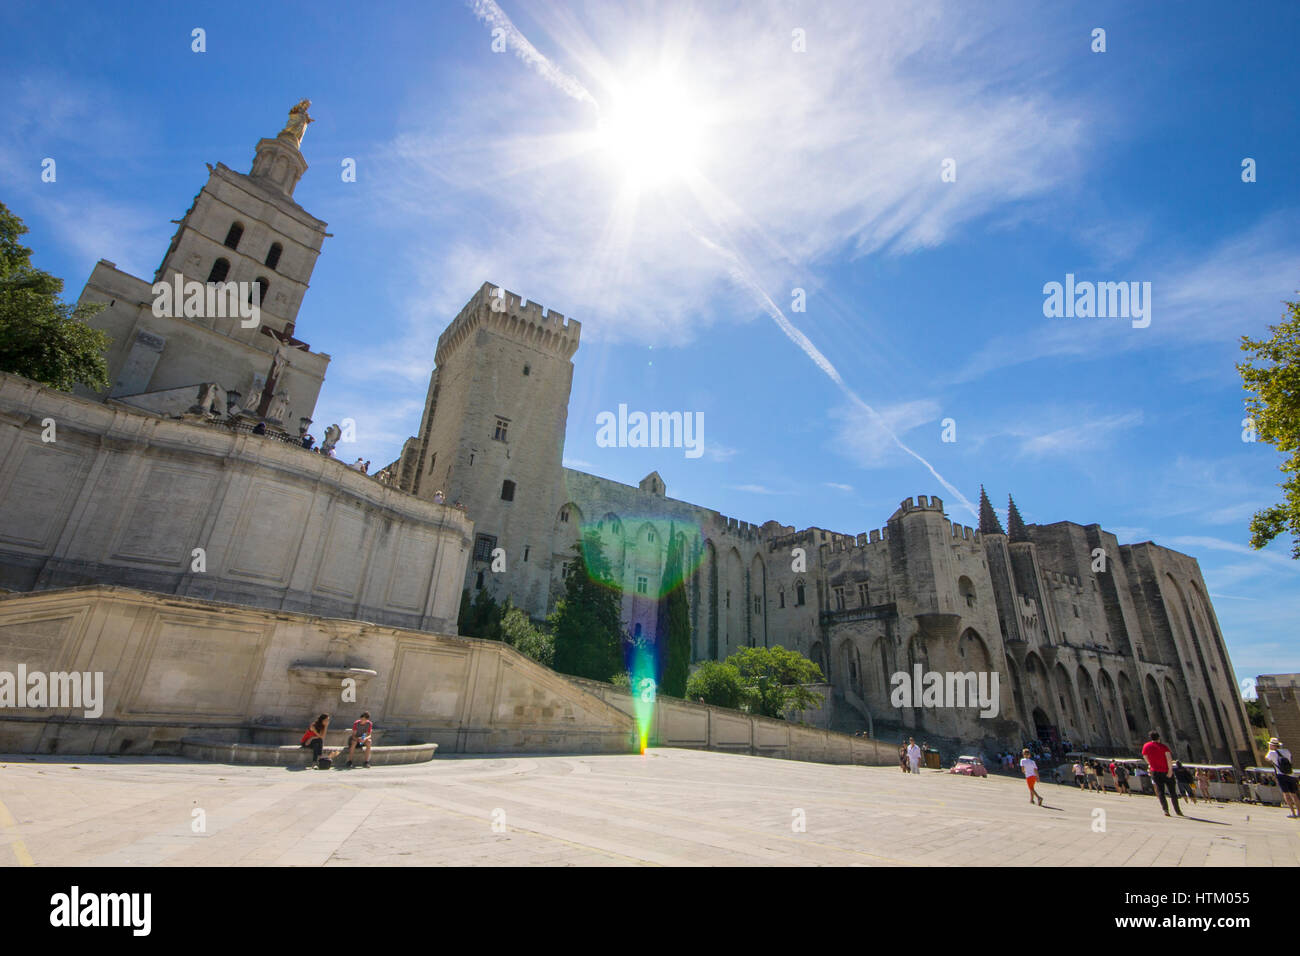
653	131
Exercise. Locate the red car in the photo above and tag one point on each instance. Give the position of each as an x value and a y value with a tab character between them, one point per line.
969	766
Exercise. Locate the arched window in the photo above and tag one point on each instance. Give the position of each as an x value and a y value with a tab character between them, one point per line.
234	235
273	257
220	269
263	286
798	594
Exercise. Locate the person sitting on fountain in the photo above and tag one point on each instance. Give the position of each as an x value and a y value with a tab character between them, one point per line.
362	734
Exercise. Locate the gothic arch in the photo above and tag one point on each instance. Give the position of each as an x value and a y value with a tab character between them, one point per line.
966	591
757	608
1064	688
731	604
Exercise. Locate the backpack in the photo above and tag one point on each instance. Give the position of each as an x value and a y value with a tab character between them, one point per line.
1283	763
324	763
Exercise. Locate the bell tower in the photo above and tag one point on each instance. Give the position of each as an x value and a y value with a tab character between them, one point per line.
242	228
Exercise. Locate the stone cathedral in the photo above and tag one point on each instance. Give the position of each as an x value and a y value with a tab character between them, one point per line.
1096	657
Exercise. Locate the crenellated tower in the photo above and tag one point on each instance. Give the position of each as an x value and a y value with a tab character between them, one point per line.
492	435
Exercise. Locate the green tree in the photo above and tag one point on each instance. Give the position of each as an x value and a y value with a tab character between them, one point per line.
719	684
526	637
482	618
775	677
587	623
674	623
1275	411
41	337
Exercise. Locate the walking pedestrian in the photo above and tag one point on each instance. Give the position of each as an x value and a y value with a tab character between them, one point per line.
1157	756
1120	773
1280	758
1030	768
913	755
1184	778
1078	774
902	757
1090	773
1203	782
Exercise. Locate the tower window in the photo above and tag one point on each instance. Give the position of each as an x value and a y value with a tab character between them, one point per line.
263	285
526	369
478	582
839	599
564	515
799	595
650	537
484	545
273	257
526	550
758	605
780	598
234	235
507	491
642	584
499	433
862	594
220	269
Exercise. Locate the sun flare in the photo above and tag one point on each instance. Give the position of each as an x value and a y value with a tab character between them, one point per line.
652	131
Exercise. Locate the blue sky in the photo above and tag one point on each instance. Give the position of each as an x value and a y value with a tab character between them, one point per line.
772	169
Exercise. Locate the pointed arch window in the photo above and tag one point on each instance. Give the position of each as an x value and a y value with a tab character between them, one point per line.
220	269
273	256
234	235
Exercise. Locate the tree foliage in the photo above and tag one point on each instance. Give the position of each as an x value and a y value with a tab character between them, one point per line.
775	677
719	684
526	637
41	337
674	623
763	680
482	617
1275	410
587	623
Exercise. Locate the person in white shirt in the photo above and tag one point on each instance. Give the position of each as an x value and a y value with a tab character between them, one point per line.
1030	767
913	755
1280	757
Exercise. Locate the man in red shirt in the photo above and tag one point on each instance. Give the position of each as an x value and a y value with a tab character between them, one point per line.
1159	762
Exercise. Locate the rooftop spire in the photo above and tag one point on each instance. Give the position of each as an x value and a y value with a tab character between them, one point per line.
1015	523
989	523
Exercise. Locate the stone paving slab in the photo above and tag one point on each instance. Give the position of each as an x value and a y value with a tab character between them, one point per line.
667	808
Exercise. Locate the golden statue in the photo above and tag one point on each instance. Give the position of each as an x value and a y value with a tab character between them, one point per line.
298	120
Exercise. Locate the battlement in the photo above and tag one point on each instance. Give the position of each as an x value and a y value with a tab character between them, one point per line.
965	532
921	503
509	314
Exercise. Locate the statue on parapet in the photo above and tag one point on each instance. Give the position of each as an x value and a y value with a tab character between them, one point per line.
332	436
278	408
212	401
298	120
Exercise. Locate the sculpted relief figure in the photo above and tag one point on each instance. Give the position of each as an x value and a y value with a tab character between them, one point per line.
212	400
278	408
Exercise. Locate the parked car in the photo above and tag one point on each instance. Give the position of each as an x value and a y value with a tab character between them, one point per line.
969	766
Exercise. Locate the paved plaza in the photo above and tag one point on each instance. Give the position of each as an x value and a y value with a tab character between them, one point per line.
670	807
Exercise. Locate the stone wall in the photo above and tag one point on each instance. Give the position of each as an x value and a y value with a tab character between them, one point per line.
120	497
680	723
175	668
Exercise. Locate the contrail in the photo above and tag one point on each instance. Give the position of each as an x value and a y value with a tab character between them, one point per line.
495	17
741	275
